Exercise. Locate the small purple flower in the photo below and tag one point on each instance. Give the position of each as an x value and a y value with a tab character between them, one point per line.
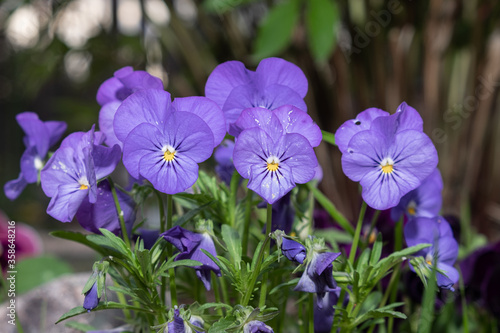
444	249
292	119
190	245
424	201
224	157
149	237
408	118
283	214
91	298
324	311
71	174
256	326
40	136
102	213
293	250
318	276
115	90
387	161
177	324
276	82
273	161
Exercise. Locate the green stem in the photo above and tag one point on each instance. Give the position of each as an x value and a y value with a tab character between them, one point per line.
215	287
310	311
163	286
248	215
255	274
171	272
120	213
357	233
267	250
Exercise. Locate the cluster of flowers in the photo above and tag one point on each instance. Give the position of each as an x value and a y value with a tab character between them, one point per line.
395	162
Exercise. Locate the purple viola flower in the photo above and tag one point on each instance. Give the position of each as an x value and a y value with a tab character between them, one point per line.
424	201
318	276
176	325
190	245
292	119
324	311
407	118
102	213
256	326
389	162
115	90
273	161
71	174
283	214
149	237
444	249
276	82
293	250
91	298
40	136
224	158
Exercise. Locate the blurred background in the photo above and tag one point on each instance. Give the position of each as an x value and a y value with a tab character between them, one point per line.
441	56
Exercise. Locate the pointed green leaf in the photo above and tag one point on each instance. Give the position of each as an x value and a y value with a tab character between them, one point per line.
233	242
322	17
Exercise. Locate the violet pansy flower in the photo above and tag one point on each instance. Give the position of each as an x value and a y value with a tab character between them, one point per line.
318	275
387	161
424	201
273	161
444	249
40	136
223	156
71	174
190	245
292	119
276	82
283	214
324	311
91	298
103	214
256	326
293	250
115	90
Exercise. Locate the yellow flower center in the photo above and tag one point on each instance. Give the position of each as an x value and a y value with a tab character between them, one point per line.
83	187
273	163
387	165
168	153
372	238
429	259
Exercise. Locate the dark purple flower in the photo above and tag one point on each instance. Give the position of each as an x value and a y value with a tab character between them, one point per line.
102	213
40	136
276	82
388	162
115	90
407	118
149	237
283	214
273	161
224	157
444	249
318	276
293	250
176	325
291	118
71	174
91	298
190	245
256	326
424	201
324	311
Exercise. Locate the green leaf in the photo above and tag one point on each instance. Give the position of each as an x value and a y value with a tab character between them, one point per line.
428	303
215	306
102	306
376	250
79	238
321	19
192	213
233	242
276	29
328	137
80	326
331	209
283	285
32	272
222	324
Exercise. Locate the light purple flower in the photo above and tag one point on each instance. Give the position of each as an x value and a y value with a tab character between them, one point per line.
103	214
71	174
40	136
276	82
224	158
407	118
388	162
115	90
318	276
274	161
293	250
292	119
444	249
256	326
424	201
91	298
177	324
190	245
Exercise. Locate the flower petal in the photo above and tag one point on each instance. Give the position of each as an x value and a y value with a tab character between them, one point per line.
279	71
106	118
35	130
14	188
294	120
64	204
